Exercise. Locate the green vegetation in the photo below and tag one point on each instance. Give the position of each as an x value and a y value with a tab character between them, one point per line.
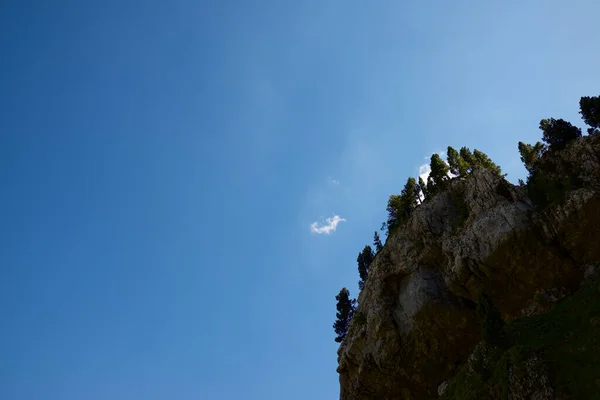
545	190
438	176
530	155
400	207
482	160
589	108
458	165
345	311
377	242
394	210
468	161
454	161
565	341
547	184
364	260
558	133
468	158
409	197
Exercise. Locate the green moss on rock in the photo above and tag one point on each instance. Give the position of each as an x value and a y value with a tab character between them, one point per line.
562	346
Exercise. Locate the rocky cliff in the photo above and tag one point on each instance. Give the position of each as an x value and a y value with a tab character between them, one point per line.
415	323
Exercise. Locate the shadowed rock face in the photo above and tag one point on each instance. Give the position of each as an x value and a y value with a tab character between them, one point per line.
418	306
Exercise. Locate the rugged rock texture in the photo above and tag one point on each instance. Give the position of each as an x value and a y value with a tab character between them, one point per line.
530	383
416	322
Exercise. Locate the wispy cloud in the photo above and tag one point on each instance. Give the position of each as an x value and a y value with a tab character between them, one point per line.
327	227
335	182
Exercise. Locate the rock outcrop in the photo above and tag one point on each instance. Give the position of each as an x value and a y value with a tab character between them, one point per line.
415	321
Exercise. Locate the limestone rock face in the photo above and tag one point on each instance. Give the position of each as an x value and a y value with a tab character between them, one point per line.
417	310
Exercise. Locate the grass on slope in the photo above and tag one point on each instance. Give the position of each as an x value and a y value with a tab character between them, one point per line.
566	340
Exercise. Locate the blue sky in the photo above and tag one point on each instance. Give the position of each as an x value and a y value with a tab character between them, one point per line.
161	164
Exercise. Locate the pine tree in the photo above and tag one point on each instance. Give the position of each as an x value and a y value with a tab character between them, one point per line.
418	200
530	155
364	260
469	160
454	161
409	197
484	161
493	325
558	132
377	242
463	167
345	311
394	210
590	112
400	207
438	175
423	187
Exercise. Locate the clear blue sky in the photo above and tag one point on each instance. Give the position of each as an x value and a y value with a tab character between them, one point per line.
161	164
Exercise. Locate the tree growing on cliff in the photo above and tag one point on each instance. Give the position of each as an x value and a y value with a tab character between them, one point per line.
590	112
558	133
484	161
394	209
364	260
345	311
400	207
377	242
438	175
418	199
531	154
468	158
409	197
492	323
458	166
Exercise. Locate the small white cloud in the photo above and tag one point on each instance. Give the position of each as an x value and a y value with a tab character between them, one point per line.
328	227
335	182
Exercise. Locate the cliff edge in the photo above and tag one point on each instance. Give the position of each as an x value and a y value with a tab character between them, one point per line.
416	324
